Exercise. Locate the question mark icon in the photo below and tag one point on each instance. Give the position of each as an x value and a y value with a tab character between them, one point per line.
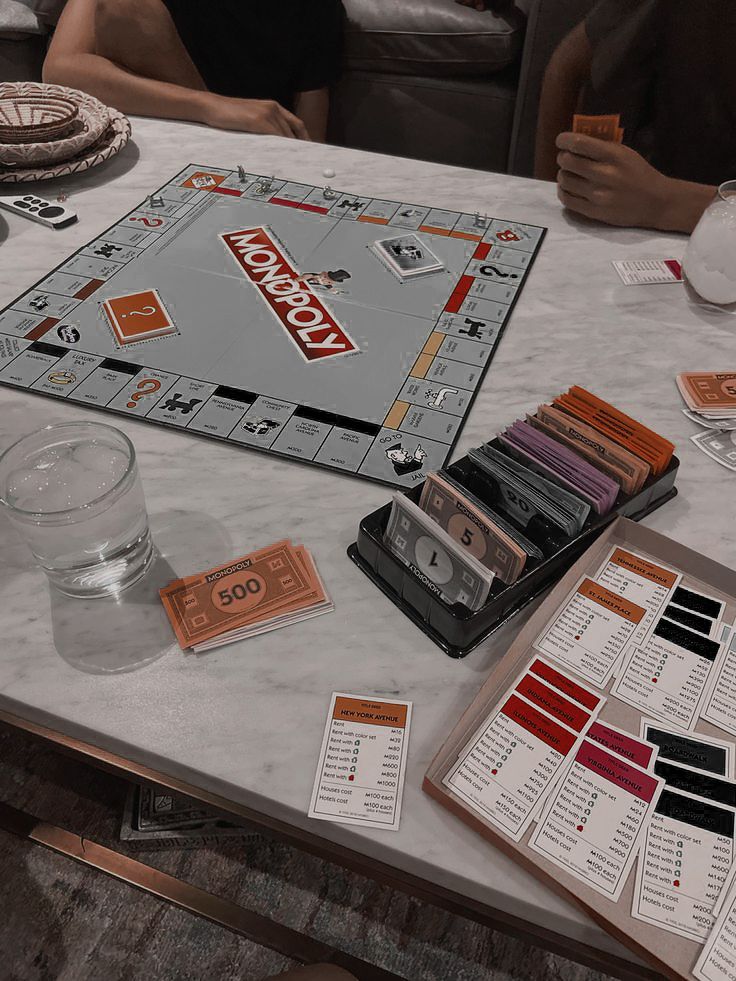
487	270
148	222
146	387
145	312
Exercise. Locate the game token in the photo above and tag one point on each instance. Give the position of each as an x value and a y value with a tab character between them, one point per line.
241	173
264	185
328	172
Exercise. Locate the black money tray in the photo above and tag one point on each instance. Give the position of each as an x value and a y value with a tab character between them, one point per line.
455	628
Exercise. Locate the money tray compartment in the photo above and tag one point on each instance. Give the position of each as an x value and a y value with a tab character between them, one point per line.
455	628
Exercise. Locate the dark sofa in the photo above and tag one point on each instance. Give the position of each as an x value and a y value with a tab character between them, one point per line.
423	78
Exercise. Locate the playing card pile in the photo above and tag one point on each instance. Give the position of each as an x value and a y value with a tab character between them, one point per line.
710	397
535	485
601	127
271	588
407	257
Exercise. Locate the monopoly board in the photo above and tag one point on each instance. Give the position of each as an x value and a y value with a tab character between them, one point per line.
304	321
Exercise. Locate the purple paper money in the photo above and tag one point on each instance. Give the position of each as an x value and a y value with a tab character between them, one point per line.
564	464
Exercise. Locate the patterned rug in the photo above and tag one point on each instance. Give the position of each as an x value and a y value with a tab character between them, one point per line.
63	922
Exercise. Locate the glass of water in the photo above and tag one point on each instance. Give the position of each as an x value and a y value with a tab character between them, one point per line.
73	493
709	264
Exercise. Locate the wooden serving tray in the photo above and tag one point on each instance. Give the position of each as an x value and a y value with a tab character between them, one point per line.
672	955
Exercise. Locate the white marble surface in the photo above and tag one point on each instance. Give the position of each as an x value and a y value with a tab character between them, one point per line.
246	721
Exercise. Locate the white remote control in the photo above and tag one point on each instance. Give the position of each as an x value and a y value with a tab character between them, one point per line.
38	209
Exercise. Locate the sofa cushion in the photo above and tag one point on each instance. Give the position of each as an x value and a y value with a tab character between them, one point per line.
19	18
434	38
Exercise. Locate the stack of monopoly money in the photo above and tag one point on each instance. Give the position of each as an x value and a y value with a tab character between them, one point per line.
622	429
710	397
557	462
481	531
271	588
520	499
584	446
526	496
449	570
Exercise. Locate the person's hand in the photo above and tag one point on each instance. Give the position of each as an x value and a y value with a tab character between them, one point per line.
251	116
610	182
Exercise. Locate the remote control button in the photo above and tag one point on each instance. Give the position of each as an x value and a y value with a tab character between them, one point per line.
22	204
38	201
34	210
28	197
51	211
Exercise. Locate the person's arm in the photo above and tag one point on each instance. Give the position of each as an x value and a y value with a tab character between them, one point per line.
73	60
613	183
313	108
567	72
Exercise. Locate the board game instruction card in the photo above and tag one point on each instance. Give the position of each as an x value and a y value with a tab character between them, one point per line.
595	818
362	762
683	865
667	676
590	631
644	582
718	959
505	770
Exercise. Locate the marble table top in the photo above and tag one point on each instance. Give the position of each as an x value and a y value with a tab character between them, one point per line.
246	721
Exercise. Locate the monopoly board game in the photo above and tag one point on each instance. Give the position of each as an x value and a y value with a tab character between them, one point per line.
311	323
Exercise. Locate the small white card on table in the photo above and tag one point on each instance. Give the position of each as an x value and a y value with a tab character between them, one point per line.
362	762
648	272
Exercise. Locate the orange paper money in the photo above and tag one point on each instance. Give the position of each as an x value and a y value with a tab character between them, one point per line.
708	390
271	582
601	127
